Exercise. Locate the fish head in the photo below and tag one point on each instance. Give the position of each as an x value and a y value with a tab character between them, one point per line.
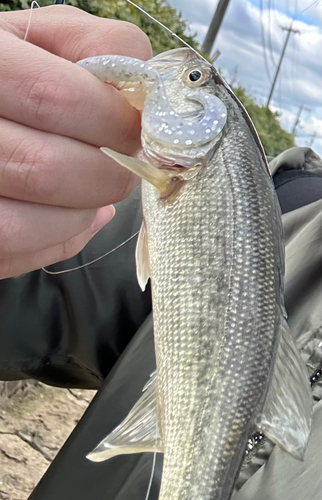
187	109
183	119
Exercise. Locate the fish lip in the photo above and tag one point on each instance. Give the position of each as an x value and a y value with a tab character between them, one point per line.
175	167
163	163
175	159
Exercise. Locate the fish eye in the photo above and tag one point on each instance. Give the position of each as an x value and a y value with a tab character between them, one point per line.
195	75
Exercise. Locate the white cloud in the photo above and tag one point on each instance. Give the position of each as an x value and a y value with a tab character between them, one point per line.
240	43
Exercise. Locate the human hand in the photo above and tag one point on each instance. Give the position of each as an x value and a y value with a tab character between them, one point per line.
54	116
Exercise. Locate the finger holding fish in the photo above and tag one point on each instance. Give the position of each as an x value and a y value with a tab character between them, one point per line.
44	168
50	94
53	118
30	258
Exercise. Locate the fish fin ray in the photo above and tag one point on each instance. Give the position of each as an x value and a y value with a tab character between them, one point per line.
287	413
143	169
142	257
139	432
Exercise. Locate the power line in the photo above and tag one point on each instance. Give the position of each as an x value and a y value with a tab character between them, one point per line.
280	93
269	34
312	4
264	43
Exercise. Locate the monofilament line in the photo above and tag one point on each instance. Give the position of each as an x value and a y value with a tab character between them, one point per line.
166	28
33	4
151	477
64	271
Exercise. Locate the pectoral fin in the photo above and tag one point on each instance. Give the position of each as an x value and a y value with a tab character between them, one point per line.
287	413
142	258
166	183
139	432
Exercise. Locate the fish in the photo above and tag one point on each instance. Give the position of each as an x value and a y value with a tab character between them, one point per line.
211	243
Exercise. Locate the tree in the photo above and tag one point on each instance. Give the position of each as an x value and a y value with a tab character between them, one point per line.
161	39
273	137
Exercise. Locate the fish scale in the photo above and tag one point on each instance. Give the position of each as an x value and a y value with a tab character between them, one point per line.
212	244
214	315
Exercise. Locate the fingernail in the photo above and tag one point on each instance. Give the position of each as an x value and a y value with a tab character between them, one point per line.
103	216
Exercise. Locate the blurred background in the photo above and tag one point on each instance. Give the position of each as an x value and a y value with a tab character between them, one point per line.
269	51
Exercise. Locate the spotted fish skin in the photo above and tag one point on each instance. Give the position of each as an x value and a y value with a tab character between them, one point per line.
212	244
216	260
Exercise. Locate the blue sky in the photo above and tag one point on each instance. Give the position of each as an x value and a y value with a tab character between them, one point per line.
242	55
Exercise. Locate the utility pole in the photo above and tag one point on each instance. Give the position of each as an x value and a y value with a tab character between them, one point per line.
214	26
297	119
215	55
234	75
289	31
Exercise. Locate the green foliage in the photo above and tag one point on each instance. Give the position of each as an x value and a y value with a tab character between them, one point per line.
160	9
120	9
21	4
273	137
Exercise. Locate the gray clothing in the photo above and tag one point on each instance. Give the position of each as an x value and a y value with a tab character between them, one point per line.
278	476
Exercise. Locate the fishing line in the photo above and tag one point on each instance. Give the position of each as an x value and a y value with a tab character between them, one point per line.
151	477
167	29
64	271
33	4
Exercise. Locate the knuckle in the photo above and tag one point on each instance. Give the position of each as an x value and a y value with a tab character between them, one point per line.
49	97
69	10
124	38
134	40
29	169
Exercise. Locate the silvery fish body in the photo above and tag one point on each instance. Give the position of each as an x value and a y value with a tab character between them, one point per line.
214	252
216	264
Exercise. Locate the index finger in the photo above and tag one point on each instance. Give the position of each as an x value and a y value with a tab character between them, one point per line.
74	34
48	93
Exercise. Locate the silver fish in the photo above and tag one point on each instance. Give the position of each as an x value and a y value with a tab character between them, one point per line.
212	244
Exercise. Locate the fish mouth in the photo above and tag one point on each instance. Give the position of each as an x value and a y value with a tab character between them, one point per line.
171	163
166	159
175	167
